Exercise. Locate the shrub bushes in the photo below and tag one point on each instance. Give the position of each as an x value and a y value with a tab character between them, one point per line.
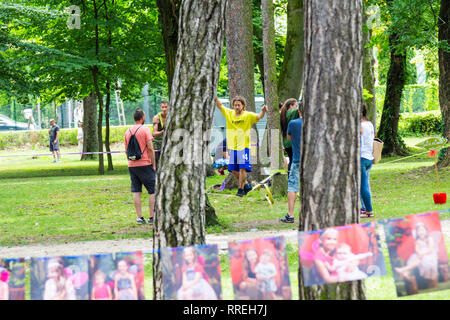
421	124
17	139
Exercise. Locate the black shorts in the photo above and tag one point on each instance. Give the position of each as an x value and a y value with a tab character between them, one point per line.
142	176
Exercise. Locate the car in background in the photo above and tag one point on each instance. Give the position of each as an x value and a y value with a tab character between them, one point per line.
7	124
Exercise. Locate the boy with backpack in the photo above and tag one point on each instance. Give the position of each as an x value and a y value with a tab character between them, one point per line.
141	164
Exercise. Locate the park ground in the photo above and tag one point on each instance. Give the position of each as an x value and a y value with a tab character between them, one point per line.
61	208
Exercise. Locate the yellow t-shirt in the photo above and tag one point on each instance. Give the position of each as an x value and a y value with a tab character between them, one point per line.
238	128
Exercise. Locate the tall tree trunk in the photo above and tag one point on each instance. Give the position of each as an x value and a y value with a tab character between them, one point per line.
180	198
90	136
95	72
279	182
240	64
290	81
168	18
444	74
108	96
107	130
330	155
101	165
368	70
396	78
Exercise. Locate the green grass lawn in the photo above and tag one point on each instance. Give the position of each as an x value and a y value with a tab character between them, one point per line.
44	202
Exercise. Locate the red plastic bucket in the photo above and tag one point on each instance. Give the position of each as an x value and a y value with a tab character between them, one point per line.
440	198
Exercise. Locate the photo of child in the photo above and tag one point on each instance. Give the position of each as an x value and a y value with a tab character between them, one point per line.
117	276
418	255
259	269
59	278
340	254
101	290
12	279
191	273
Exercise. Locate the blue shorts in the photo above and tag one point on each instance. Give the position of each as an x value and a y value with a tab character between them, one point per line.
239	159
294	178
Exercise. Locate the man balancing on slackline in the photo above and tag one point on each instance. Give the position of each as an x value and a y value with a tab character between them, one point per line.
239	123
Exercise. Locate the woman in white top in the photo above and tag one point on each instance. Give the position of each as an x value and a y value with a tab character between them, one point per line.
367	136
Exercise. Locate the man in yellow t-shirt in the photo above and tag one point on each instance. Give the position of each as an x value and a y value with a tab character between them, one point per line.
239	123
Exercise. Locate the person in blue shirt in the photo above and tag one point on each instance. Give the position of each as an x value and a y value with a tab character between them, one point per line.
294	133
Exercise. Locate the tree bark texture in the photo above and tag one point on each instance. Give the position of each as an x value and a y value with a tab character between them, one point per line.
396	79
444	74
240	65
290	81
388	132
279	182
180	197
90	136
107	129
368	71
330	152
168	18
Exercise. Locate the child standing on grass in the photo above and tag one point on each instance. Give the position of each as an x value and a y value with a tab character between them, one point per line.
239	123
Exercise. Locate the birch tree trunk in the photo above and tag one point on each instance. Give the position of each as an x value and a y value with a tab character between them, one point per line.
330	152
444	74
180	198
90	135
279	182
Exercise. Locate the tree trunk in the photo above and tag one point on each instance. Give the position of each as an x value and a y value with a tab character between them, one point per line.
330	154
101	166
107	131
168	18
90	136
240	64
396	78
95	71
290	81
279	182
180	198
444	75
368	71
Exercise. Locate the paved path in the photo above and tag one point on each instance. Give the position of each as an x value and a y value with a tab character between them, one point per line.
146	245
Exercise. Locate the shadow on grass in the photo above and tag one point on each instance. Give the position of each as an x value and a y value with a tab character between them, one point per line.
60	171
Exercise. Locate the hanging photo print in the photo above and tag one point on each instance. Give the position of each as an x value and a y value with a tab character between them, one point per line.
259	269
418	255
340	254
12	279
59	278
191	273
118	276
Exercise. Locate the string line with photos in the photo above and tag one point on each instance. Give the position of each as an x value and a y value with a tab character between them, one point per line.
258	267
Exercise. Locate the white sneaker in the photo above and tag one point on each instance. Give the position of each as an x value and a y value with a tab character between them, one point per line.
58	161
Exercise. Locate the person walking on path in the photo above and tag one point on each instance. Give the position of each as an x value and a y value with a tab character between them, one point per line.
239	123
158	130
367	136
142	171
53	134
294	134
288	112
